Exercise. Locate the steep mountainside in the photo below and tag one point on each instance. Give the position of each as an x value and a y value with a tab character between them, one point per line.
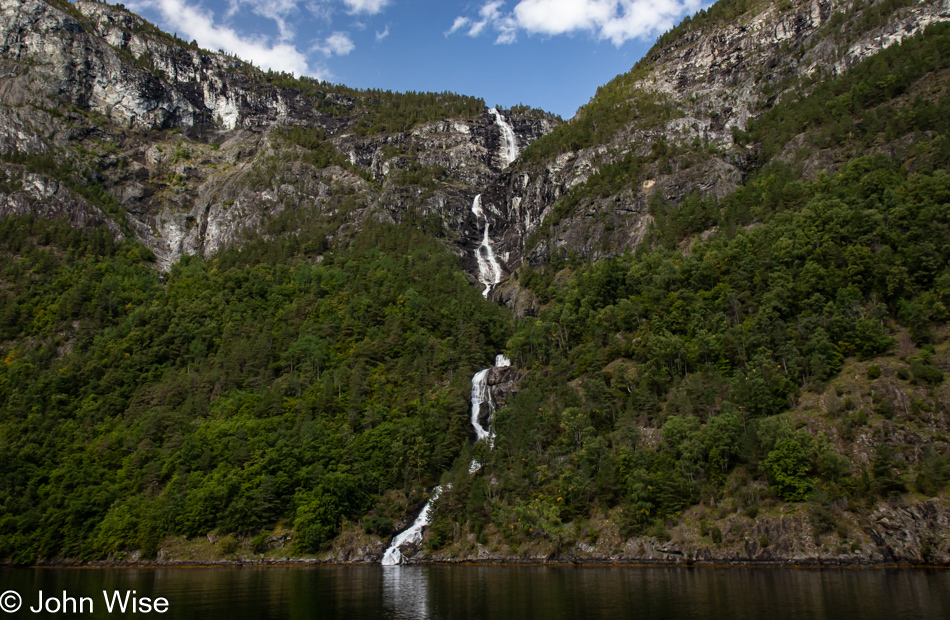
244	314
186	149
668	128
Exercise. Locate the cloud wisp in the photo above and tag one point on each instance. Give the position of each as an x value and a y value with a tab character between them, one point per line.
615	20
282	12
337	44
368	7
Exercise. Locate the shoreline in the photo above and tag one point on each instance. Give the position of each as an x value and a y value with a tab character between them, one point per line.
798	564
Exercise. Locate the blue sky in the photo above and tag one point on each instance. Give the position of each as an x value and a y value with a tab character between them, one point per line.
551	54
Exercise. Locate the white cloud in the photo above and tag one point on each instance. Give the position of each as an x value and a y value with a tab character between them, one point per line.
321	10
489	16
197	24
382	35
370	7
460	22
337	44
614	20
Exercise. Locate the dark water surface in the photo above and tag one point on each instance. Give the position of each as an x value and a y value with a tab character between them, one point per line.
494	592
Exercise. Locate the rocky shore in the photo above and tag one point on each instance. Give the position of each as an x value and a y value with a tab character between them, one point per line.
916	534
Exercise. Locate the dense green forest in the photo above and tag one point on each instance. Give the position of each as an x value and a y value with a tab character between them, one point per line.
262	385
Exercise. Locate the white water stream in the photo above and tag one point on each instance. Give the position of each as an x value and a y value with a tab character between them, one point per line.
509	151
412	535
489	274
481	394
477	206
489	271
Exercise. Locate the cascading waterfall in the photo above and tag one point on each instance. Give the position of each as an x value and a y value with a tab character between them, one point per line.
481	394
477	206
413	534
489	271
489	274
510	151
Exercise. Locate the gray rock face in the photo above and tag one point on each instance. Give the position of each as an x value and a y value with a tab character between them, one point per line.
715	79
186	140
503	383
35	194
105	59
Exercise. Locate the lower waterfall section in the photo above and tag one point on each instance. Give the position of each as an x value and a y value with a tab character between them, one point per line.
481	395
412	535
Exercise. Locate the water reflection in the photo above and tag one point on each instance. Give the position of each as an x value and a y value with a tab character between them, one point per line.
459	592
406	592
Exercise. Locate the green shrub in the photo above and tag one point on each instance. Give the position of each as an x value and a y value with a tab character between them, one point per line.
888	482
439	533
228	545
259	543
885	408
932	472
926	373
788	466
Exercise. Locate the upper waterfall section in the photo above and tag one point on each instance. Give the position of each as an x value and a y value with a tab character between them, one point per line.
509	142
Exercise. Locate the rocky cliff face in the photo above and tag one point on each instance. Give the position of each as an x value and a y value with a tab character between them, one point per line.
502	384
189	142
913	534
702	83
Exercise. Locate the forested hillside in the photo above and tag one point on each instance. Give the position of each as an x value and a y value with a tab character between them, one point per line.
264	385
700	377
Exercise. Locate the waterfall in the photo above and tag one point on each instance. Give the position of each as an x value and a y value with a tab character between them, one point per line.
489	271
481	394
489	274
477	206
412	535
510	151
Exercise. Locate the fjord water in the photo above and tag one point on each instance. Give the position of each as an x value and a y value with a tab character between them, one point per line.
462	592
